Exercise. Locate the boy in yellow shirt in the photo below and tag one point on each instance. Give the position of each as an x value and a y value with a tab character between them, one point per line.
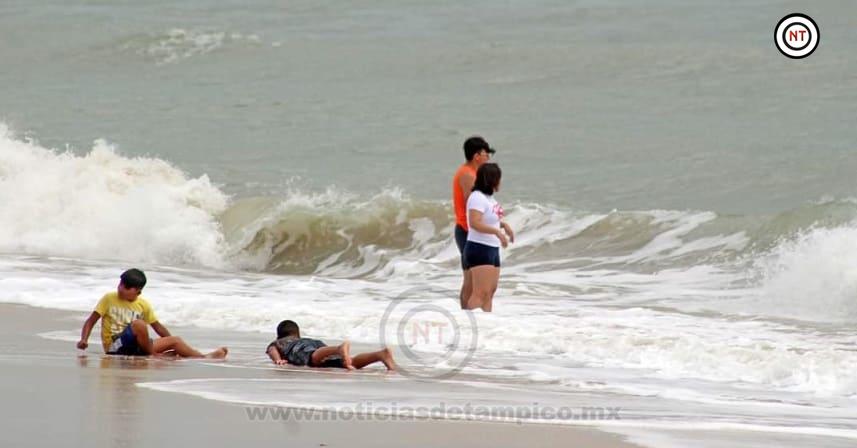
126	318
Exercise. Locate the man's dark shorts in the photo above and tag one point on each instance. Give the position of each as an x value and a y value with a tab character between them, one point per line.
126	344
478	254
299	352
460	241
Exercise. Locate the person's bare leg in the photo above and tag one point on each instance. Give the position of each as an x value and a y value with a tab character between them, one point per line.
482	285
177	345
168	354
477	297
218	354
181	348
343	350
364	359
466	288
489	301
323	353
141	332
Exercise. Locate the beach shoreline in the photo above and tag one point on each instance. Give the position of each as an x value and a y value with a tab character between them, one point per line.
94	400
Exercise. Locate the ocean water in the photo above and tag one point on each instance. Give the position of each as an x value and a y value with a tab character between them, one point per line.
683	194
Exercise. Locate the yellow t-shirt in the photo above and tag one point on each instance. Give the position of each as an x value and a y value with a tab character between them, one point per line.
116	314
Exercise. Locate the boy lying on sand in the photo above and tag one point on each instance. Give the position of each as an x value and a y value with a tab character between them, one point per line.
291	348
127	315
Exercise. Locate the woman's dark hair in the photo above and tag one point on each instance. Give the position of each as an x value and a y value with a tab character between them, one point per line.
133	278
288	328
487	178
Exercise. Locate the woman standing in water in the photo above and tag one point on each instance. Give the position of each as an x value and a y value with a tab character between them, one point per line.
485	236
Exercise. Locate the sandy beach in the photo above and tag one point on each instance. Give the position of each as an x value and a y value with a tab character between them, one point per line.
677	194
54	397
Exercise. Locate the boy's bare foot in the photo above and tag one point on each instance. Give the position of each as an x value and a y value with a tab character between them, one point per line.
387	359
218	354
345	352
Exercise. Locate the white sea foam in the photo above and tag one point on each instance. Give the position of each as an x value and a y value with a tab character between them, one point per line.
178	44
655	344
104	206
811	276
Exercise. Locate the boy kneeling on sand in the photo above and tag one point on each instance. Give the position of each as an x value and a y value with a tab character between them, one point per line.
127	315
291	348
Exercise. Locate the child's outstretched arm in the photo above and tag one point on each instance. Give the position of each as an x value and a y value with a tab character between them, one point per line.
274	354
87	329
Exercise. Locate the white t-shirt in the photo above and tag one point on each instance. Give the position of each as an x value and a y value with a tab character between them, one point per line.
492	213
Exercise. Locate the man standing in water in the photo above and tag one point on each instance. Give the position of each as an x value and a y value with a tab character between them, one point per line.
476	152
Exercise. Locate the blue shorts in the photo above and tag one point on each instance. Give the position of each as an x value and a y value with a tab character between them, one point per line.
478	254
460	241
126	344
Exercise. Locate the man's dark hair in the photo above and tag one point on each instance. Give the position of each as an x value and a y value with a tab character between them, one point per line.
474	145
133	278
487	178
288	328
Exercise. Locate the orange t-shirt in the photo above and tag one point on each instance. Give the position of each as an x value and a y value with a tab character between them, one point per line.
458	202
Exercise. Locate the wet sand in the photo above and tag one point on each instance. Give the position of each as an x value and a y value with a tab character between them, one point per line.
52	396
